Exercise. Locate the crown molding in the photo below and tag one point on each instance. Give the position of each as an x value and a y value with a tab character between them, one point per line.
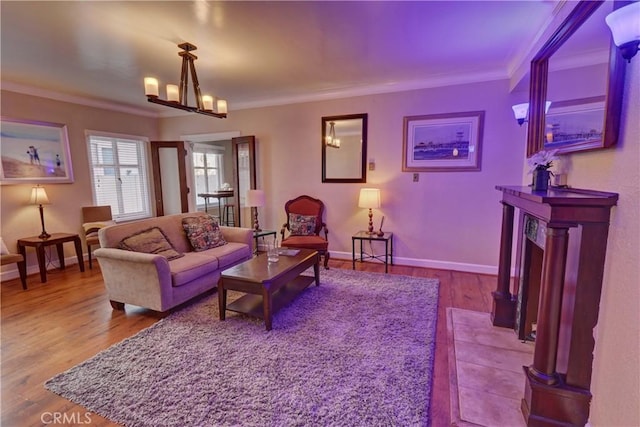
75	99
391	87
519	67
438	81
595	57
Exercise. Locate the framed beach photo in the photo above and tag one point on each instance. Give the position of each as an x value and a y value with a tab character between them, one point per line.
443	142
575	125
34	152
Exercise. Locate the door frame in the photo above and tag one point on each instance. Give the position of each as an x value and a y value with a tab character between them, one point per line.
157	174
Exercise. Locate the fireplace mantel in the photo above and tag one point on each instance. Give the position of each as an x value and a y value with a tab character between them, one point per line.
559	266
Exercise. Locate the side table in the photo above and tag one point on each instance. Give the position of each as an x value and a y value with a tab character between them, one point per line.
263	234
57	239
387	238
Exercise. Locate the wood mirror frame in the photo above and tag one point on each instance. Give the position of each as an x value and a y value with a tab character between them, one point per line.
359	160
244	173
540	75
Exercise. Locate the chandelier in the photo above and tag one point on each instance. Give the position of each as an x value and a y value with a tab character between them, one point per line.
177	95
331	139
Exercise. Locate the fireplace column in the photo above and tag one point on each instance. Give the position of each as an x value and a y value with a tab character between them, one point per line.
504	304
545	355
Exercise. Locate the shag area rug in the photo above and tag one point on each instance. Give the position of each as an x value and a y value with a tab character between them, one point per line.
357	350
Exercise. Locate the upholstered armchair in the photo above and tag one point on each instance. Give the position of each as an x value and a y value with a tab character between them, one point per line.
304	224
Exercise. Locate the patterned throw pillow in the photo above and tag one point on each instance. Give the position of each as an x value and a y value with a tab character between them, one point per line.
150	241
203	232
302	225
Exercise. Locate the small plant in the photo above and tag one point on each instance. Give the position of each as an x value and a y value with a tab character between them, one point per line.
542	160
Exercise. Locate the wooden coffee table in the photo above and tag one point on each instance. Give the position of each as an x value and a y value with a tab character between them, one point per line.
269	285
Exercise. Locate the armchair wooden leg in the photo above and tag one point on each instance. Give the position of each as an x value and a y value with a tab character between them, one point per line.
89	252
326	260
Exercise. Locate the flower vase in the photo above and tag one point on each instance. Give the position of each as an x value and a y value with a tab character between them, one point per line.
541	179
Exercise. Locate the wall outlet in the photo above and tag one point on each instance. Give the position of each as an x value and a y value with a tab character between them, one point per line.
416	177
372	165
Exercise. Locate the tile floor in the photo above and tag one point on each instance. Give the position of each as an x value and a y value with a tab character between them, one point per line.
485	370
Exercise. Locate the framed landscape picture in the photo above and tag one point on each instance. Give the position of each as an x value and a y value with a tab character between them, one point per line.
34	152
443	142
574	125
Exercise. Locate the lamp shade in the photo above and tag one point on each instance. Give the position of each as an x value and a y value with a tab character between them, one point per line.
222	106
207	102
521	111
255	198
38	196
625	24
369	198
173	93
150	86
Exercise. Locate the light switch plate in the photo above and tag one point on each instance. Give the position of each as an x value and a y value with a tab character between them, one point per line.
416	177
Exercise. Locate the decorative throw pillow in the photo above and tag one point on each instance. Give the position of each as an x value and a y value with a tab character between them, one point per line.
203	232
302	225
150	241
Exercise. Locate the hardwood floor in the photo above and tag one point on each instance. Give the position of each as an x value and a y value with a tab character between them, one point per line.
55	325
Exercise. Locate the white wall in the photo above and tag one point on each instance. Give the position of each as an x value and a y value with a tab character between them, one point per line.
616	379
446	220
63	215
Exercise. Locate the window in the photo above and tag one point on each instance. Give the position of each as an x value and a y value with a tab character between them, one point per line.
207	170
119	174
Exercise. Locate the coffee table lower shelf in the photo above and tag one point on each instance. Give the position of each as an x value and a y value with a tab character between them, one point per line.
252	304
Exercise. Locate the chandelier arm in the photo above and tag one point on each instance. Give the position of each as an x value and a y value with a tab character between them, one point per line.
196	85
184	81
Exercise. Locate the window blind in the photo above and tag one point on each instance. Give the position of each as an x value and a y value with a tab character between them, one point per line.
119	175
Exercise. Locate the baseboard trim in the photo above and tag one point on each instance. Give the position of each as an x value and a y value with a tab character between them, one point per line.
34	269
430	263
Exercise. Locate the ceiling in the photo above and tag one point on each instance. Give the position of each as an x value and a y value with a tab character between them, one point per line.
262	53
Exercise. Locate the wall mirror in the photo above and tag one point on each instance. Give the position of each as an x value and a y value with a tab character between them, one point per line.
244	172
344	148
563	127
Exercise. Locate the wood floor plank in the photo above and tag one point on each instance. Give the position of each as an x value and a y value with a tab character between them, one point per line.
53	326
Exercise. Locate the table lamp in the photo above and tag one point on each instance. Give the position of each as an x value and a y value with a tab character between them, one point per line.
39	197
255	199
369	198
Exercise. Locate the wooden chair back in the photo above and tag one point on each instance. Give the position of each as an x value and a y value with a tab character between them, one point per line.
306	205
96	213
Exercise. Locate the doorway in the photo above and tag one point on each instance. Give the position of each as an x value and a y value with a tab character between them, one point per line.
242	165
169	177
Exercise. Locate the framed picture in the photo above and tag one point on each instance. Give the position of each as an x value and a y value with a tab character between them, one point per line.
443	142
34	152
575	125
